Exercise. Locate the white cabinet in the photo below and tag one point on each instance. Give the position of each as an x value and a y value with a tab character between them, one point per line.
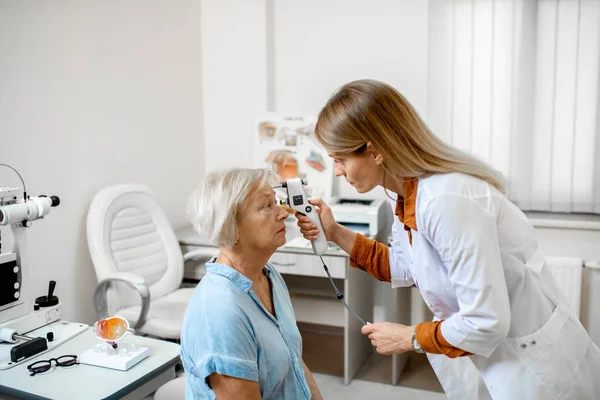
293	263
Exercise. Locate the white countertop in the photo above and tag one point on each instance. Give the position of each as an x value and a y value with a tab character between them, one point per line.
85	381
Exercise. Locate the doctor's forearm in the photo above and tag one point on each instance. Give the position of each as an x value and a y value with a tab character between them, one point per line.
372	257
343	237
430	338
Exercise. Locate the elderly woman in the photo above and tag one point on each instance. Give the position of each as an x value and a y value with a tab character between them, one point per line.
239	338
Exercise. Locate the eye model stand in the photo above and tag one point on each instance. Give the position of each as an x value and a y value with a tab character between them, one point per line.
116	347
125	356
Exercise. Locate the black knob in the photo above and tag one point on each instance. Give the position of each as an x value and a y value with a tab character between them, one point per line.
50	336
36	306
50	300
51	287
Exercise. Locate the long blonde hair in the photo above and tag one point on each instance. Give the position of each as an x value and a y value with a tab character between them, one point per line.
365	111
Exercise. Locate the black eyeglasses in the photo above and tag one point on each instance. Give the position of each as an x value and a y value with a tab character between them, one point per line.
44	365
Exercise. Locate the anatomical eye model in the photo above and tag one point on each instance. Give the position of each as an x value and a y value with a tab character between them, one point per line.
112	329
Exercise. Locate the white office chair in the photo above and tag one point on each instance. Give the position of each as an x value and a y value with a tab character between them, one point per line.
138	261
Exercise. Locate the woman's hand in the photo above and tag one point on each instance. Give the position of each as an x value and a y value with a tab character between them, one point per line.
389	338
309	229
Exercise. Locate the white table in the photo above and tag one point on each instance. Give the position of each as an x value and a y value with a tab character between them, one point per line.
313	297
89	382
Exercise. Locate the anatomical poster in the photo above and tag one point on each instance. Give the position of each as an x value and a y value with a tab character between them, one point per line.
286	144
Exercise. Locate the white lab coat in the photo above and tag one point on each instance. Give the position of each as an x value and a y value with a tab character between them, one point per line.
475	260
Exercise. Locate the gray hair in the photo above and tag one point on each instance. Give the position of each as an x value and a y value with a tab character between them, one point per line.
214	207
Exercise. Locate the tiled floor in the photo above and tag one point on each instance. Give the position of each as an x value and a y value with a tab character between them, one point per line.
332	388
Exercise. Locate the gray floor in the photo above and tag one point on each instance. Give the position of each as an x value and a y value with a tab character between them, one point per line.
416	382
332	387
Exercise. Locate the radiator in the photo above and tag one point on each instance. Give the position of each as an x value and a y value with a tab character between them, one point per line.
568	272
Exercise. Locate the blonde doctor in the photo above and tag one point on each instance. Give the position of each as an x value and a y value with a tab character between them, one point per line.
502	329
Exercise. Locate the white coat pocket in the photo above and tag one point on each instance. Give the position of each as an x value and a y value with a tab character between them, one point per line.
553	353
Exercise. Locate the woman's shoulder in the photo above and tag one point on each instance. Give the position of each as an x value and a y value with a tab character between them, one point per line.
216	297
441	194
445	190
454	183
217	319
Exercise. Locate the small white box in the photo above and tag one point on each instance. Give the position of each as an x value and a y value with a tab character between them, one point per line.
113	361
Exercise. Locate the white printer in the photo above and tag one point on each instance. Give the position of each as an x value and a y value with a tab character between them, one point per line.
367	217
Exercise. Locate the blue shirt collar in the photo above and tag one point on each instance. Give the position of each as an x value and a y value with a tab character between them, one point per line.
233	275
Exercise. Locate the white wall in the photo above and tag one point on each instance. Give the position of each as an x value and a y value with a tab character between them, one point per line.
234	65
103	92
96	93
321	45
288	56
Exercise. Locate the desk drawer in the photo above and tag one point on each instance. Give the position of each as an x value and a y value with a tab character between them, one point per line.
308	265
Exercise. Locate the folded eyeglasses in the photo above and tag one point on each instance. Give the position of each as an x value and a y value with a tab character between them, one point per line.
41	366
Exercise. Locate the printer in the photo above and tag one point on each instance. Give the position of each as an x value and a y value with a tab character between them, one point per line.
367	217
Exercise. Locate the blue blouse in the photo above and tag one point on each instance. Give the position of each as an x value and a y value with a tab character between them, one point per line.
227	330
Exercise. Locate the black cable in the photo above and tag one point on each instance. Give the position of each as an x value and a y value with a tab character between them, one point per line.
339	294
22	181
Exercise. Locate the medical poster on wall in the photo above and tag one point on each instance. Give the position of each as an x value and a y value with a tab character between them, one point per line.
286	144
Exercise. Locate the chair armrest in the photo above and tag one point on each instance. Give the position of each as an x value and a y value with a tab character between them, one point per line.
132	280
199	254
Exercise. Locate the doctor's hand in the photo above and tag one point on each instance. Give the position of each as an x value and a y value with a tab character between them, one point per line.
389	338
308	229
